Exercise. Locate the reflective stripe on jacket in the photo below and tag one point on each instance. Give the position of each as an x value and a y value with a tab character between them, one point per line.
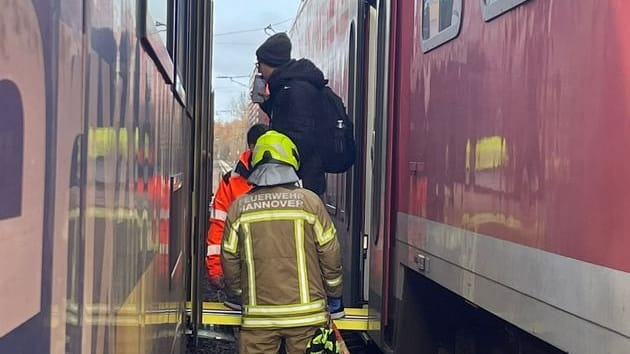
232	185
280	250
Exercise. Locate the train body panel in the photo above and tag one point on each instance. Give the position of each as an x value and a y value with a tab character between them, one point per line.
99	248
526	117
24	166
503	176
506	125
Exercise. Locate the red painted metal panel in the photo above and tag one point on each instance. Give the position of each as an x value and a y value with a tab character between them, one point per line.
519	128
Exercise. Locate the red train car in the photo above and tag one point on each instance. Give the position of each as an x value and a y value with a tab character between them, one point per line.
487	210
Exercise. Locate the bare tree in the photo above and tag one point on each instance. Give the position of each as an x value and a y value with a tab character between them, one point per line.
230	140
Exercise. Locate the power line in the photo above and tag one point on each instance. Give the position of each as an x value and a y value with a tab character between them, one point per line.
283	21
270	29
231	78
237	32
253	29
235	76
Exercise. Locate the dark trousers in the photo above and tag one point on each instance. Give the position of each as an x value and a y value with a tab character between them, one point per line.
312	174
265	341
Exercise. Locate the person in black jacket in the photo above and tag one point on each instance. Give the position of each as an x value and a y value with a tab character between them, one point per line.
294	104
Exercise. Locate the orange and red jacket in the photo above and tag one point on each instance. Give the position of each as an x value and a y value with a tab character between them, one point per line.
232	185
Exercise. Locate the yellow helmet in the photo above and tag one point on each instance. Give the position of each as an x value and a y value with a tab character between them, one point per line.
275	147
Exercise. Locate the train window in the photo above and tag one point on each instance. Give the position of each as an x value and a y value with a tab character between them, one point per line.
493	8
441	21
11	150
157	34
194	8
181	33
162	21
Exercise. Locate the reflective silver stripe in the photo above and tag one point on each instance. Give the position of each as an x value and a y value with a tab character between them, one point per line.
319	230
213	250
284	322
326	236
218	214
230	243
298	230
323	237
277	215
279	310
334	282
249	260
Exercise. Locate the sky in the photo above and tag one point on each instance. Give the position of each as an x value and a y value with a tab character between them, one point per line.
239	28
235	54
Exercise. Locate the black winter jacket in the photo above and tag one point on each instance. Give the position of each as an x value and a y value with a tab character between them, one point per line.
294	108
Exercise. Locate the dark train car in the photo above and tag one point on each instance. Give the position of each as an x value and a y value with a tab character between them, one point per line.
104	149
489	191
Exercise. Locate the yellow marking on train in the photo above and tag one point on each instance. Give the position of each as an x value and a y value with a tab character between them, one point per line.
215	313
476	220
489	152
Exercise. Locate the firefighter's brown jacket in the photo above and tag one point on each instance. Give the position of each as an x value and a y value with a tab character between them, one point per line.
280	251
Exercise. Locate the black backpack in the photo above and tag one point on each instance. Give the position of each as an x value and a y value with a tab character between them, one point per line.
336	134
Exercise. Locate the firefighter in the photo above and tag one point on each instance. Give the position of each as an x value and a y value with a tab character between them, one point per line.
232	185
281	254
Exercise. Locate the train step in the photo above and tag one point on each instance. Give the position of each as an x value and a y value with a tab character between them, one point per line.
217	314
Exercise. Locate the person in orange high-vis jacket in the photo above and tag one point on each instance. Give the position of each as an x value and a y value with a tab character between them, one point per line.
231	186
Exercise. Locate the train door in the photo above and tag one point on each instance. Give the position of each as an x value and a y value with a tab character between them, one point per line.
370	149
374	228
343	194
341	191
202	159
352	185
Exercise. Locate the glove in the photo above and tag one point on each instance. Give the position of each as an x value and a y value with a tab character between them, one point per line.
217	282
335	304
324	341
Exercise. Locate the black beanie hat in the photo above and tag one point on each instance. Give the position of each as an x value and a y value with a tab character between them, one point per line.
255	132
275	51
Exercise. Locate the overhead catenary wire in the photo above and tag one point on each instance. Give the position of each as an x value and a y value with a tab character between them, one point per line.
235	76
263	28
231	78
